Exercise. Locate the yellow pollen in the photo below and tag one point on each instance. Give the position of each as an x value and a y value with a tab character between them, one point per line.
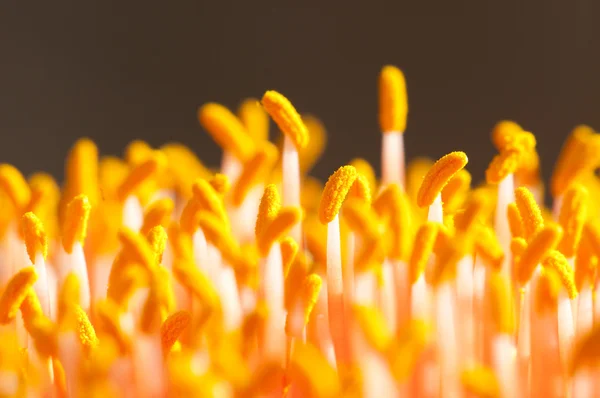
188	220
501	303
360	189
538	248
515	222
15	186
226	130
85	330
220	183
254	171
172	328
289	249
501	166
218	235
68	295
294	279
556	261
361	218
107	318
586	264
365	169
439	175
141	173
529	211
34	235
374	326
336	189
286	117
255	119
183	167
44	335
209	200
317	141
488	247
279	227
393	100
269	207
75	222
137	152
480	381
310	365
15	292
394	205
517	247
137	248
573	214
157	238
31	309
422	250
158	213
474	212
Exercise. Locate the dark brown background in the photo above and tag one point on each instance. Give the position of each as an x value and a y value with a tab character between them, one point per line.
115	71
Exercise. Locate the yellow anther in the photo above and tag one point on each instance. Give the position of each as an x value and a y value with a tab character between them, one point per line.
504	134
160	301
124	279
422	250
220	183
481	382
573	214
158	213
75	222
218	235
45	196
317	141
361	218
172	328
255	119
310	365
294	279
43	332
137	152
411	341
580	154
157	238
529	211
439	175
209	199
189	216
184	167
309	294
547	289
528	172
501	166
181	242
474	213
488	248
556	260
501	303
515	222
394	205
286	117
107	320
68	295
289	249
15	186
455	191
145	171
137	248
227	130
336	189
365	169
254	171
34	235
112	171
278	228
586	264
374	326
188	274
517	248
538	248
269	207
81	172
15	292
360	189
415	172
371	255
31	309
586	351
448	254
393	101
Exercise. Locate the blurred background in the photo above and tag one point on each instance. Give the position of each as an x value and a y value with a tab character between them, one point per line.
116	71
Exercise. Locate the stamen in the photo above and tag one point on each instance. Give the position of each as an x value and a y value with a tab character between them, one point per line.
514	220
15	293
143	172
286	117
556	260
501	300
438	176
137	248
172	328
220	183
317	142
573	214
157	237
529	211
310	365
35	237
289	250
538	248
488	247
501	166
335	192
481	382
158	213
423	248
15	186
255	119
227	130
365	169
393	102
75	222
254	171
269	207
280	226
